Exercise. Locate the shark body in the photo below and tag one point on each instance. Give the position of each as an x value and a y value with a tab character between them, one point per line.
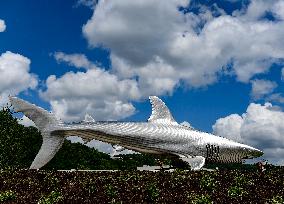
160	135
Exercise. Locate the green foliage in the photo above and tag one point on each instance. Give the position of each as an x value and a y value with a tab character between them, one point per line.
230	166
242	180
110	191
236	191
203	199
207	182
179	164
140	186
53	197
277	200
7	196
18	144
78	156
199	199
152	191
51	181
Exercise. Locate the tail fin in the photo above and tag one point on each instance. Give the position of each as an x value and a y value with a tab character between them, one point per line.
46	122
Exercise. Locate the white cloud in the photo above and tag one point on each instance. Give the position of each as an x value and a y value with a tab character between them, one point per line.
257	9
161	45
76	60
25	121
282	73
134	29
229	127
261	126
75	139
14	75
276	97
155	78
278	9
107	148
100	146
2	25
96	92
155	48
261	88
186	124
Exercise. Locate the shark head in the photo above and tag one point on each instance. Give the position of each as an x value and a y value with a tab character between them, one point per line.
246	151
251	152
228	151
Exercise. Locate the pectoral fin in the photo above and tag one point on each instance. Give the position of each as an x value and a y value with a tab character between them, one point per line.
49	147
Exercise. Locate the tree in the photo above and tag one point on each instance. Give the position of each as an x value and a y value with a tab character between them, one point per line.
18	144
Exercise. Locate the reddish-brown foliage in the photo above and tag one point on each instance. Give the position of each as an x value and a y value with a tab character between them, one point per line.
225	186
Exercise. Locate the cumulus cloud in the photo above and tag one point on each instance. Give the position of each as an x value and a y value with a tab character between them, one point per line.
186	124
161	45
258	9
155	78
276	97
76	60
14	75
229	127
25	121
108	149
261	88
261	126
2	25
100	146
155	47
95	91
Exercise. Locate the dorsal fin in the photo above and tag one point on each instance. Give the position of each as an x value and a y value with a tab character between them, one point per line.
88	118
160	112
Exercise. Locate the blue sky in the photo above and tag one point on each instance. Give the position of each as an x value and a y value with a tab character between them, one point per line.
206	59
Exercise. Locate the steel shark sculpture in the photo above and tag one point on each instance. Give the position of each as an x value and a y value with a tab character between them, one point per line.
160	135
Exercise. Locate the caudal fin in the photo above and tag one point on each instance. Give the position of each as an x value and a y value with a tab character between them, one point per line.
46	122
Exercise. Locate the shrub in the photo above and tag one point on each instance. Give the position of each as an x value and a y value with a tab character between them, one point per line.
203	199
208	183
53	197
110	191
242	180
152	191
236	191
7	196
18	144
277	200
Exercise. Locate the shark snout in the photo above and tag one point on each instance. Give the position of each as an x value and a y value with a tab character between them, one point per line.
252	152
257	153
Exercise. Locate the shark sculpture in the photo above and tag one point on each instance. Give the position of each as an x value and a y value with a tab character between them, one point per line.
160	135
